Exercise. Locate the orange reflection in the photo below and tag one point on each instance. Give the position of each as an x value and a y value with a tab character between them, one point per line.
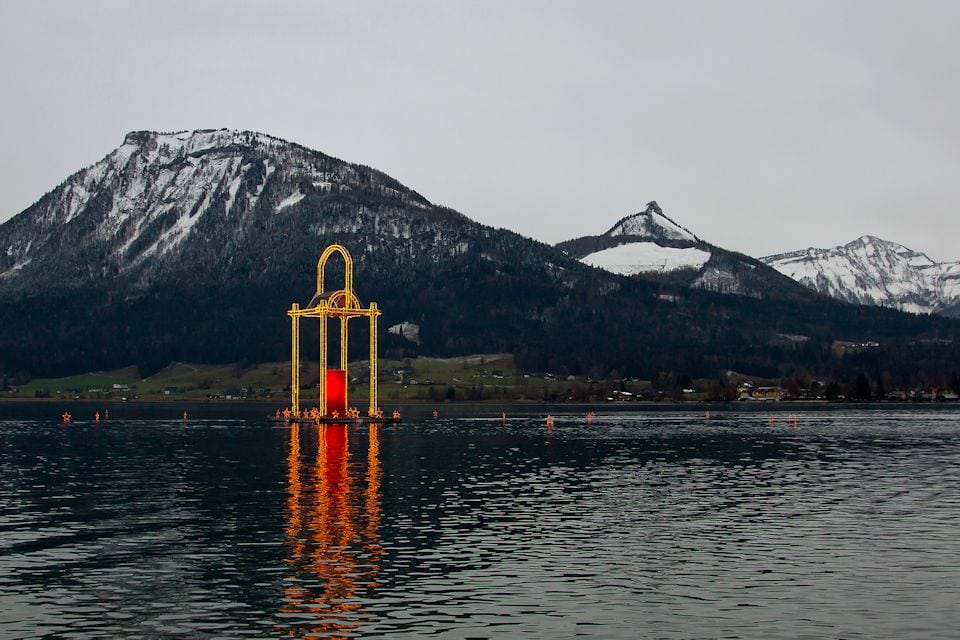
333	518
372	506
295	489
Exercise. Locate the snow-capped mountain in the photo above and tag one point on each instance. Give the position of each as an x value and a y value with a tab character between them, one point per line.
650	244
877	272
159	200
191	246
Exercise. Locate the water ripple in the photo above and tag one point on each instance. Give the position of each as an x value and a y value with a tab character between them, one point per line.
837	524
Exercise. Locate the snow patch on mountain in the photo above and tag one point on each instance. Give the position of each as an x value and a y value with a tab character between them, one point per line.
290	200
235	187
17	266
646	257
722	279
407	330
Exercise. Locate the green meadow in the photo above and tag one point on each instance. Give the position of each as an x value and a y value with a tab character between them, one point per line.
478	377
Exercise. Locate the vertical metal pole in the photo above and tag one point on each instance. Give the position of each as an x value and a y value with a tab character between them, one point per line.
344	358
373	358
295	357
323	359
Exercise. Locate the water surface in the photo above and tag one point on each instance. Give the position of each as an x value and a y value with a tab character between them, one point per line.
642	524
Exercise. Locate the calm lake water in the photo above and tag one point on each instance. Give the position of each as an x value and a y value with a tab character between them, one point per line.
844	524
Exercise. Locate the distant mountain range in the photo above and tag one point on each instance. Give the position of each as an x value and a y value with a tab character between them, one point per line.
867	271
191	246
873	271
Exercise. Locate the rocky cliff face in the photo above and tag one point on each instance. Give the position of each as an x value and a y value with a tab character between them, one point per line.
873	271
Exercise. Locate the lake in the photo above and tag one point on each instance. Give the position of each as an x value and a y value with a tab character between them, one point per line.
778	522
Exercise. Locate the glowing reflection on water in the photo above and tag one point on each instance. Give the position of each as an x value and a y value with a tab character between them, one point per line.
332	531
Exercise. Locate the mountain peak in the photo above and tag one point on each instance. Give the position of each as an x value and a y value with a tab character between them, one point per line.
868	239
892	251
651	224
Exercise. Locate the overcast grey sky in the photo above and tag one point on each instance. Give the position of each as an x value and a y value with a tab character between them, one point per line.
762	126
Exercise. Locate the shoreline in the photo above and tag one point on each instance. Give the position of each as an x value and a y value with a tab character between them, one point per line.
617	405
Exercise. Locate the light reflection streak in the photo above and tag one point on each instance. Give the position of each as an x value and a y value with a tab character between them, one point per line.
333	520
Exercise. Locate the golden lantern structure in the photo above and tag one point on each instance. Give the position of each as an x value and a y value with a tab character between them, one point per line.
343	304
